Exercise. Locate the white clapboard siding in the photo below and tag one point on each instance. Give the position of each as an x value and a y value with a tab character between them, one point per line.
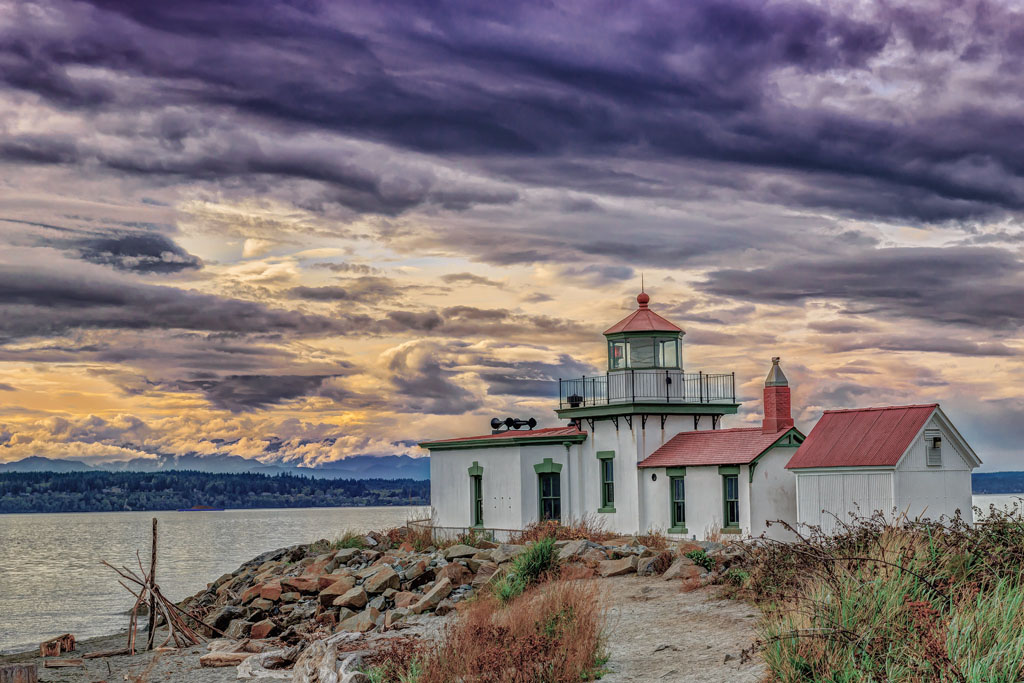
828	497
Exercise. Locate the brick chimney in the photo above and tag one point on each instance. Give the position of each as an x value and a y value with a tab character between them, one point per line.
777	413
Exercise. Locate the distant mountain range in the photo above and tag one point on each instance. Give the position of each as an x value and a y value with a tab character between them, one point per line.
354	467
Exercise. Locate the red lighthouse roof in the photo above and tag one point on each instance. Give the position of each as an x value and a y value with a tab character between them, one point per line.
643	319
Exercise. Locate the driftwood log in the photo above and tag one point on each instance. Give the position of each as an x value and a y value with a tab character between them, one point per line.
18	673
55	663
215	659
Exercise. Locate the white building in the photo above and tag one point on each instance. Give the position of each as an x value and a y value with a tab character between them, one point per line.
642	450
896	460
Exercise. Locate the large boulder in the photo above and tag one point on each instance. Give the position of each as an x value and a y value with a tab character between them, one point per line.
626	565
251	593
354	598
505	552
455	573
343	585
383	579
572	549
682	568
271	590
441	590
345	554
301	584
406	599
263	629
460	550
414	570
238	629
362	622
484	574
221	617
646	565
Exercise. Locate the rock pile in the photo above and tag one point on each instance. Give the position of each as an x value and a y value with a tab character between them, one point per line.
311	590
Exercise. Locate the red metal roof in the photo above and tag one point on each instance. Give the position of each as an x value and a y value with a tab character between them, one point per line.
513	434
863	437
643	319
712	447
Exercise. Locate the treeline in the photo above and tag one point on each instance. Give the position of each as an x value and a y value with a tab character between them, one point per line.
175	490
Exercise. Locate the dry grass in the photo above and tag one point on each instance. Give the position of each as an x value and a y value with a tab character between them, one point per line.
552	633
653	539
589	527
910	601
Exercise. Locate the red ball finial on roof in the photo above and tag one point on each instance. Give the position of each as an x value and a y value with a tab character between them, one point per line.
642	298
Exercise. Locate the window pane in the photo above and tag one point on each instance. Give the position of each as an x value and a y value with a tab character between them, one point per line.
667	355
678	488
616	354
641	353
556	485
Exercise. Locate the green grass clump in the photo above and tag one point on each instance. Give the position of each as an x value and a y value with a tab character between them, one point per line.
535	560
527	568
702	559
350	539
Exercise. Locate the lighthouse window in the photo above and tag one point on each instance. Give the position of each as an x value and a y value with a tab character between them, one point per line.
616	355
641	353
550	496
668	353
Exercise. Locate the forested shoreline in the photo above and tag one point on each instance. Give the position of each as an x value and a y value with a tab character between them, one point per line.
173	490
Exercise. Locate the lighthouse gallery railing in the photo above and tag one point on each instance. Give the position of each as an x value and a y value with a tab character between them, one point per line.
647	386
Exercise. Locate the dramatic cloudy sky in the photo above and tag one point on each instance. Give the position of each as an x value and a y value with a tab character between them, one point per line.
304	230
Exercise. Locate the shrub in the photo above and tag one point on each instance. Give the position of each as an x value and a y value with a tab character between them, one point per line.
550	634
702	559
910	600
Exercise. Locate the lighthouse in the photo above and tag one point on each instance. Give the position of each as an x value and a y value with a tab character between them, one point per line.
641	446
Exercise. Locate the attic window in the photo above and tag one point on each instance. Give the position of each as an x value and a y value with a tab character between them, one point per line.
933	444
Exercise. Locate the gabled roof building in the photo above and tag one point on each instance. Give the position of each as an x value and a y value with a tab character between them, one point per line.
897	460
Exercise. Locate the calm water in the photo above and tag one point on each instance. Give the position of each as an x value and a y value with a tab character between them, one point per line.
51	580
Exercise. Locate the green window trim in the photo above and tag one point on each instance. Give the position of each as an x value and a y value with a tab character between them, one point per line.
475	470
730	506
606	470
476	491
675	471
728	469
677	503
553	501
548	466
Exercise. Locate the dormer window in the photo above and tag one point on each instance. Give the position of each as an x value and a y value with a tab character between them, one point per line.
933	444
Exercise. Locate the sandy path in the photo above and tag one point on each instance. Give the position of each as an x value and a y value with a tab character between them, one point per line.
656	633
